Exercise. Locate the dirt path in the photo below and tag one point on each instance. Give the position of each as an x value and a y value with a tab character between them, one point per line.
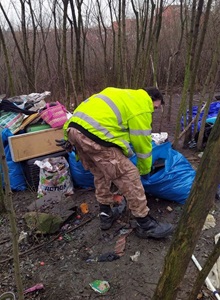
66	266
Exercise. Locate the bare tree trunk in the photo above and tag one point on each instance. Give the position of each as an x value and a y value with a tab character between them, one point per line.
146	54
187	75
210	84
64	50
11	82
174	64
197	207
203	274
21	54
113	59
196	57
78	24
12	218
156	34
119	48
124	46
2	204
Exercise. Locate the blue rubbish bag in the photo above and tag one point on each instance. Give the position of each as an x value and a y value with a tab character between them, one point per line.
16	173
81	177
174	181
214	109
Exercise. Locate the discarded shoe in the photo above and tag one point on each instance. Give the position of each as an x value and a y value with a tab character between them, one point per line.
107	219
148	227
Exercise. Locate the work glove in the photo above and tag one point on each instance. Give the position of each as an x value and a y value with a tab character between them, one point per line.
66	145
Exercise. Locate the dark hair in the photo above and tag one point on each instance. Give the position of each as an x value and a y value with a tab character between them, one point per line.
154	93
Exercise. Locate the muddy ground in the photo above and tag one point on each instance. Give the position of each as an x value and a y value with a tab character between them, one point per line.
62	261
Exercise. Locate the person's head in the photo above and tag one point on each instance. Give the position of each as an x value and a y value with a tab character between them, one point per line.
156	96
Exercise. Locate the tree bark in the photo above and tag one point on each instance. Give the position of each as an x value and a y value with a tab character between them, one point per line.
198	205
12	218
203	274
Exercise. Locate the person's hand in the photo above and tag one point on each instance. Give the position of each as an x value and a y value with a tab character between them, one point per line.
66	145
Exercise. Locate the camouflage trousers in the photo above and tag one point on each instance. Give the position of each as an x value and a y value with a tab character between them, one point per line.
109	165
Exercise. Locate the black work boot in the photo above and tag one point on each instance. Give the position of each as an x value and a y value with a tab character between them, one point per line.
148	227
107	216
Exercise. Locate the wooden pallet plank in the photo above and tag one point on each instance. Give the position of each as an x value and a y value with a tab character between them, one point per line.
34	144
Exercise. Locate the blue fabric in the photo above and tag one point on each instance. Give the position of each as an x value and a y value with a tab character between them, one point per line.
16	174
214	109
174	181
211	120
80	176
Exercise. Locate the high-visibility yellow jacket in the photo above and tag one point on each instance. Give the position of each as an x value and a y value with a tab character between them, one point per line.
122	117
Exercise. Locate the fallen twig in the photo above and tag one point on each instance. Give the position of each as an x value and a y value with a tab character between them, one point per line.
188	126
48	242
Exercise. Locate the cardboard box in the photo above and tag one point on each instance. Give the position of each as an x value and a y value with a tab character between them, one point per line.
34	144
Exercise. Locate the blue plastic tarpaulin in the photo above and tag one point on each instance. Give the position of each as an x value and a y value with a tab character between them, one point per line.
173	182
214	109
16	174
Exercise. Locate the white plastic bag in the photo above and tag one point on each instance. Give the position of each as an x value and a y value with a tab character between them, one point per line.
54	176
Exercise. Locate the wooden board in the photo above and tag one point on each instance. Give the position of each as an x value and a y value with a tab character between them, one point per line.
34	144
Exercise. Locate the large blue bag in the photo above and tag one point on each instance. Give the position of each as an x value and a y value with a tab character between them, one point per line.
16	174
174	181
81	177
214	109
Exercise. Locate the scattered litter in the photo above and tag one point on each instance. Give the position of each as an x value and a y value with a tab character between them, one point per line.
118	198
7	296
84	208
169	208
199	296
209	222
34	288
122	206
207	280
100	286
22	236
159	138
67	237
200	154
65	227
135	256
108	256
121	242
214	274
192	144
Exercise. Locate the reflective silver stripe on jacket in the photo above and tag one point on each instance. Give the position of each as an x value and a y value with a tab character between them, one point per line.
94	123
140	155
114	108
97	126
140	132
130	151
